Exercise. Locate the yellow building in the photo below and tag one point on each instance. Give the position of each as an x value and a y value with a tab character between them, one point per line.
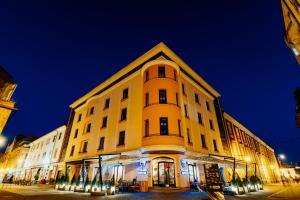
7	88
291	16
13	159
154	121
248	148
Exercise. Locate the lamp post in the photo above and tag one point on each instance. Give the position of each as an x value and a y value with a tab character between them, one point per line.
280	158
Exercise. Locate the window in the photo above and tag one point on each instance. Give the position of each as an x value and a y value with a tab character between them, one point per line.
211	124
200	121
175	75
59	136
88	128
163	125
101	143
147	99
125	94
84	147
161	72
207	106
76	133
106	105
92	110
72	150
179	128
197	98
177	100
124	114
55	153
203	142
147	76
185	111
230	130
146	128
104	122
54	138
215	145
121	138
162	96
188	136
79	118
183	89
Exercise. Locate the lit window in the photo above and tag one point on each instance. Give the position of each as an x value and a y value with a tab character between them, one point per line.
162	96
163	126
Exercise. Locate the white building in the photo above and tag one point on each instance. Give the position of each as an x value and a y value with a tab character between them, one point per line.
43	160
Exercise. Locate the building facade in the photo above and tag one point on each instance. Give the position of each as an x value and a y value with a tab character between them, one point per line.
12	160
7	88
43	160
154	121
247	147
291	17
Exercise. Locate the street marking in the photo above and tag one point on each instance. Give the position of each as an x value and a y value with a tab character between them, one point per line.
278	192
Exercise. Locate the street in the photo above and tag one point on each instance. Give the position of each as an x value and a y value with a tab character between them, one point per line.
12	192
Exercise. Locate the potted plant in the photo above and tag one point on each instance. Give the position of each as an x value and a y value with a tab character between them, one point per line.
87	184
239	184
67	183
61	185
94	184
77	184
73	183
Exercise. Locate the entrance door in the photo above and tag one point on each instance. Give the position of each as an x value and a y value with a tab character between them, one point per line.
166	173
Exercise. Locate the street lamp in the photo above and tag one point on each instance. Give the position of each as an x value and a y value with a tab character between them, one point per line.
247	159
2	141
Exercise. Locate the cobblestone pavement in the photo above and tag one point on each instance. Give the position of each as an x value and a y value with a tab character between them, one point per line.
11	192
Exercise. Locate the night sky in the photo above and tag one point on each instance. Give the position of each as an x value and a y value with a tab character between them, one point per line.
59	50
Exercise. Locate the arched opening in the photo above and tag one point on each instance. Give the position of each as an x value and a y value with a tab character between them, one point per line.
163	170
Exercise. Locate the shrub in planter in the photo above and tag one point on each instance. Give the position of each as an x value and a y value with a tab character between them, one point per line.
67	183
78	182
95	184
239	184
73	183
87	184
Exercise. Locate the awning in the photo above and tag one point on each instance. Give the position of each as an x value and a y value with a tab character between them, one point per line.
125	159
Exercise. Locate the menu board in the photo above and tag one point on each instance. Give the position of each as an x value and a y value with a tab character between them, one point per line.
212	177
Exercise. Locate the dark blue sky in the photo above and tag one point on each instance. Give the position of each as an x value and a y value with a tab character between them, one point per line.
59	50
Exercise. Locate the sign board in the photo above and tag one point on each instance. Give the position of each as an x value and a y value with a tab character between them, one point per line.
212	176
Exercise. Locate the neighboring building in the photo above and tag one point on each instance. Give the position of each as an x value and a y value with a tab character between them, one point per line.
7	88
291	16
154	121
43	157
244	144
288	172
13	159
